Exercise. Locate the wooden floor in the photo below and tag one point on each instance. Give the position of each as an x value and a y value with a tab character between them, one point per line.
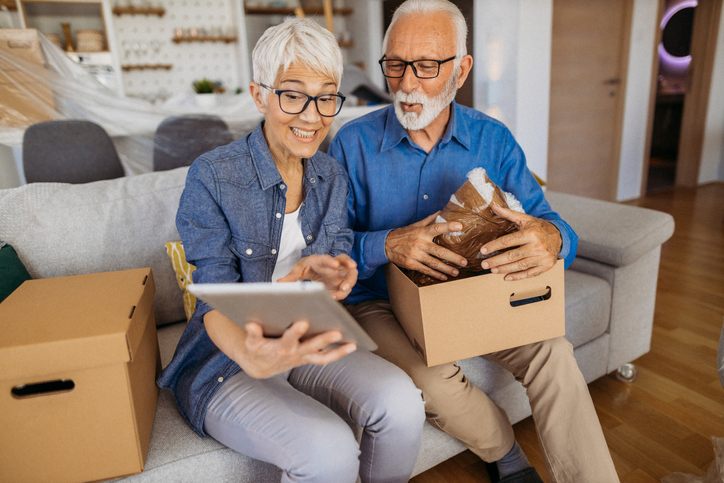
663	422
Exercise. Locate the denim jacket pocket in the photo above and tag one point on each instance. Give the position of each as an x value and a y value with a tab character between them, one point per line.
255	259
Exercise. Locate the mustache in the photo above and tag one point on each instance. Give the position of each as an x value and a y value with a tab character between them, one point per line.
410	97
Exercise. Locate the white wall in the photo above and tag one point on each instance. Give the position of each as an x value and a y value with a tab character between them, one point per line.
512	40
535	23
636	107
712	156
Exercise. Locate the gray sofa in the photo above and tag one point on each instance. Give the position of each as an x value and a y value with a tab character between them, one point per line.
62	229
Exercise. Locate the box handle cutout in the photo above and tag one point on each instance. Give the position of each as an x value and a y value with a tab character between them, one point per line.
42	388
133	309
19	44
525	298
145	279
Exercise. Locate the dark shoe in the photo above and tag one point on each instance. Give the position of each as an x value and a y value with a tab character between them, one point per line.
492	469
528	475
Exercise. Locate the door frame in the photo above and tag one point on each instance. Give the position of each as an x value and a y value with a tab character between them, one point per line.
691	139
693	121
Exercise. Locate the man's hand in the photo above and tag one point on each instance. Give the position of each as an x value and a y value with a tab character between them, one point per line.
265	357
412	247
538	244
338	274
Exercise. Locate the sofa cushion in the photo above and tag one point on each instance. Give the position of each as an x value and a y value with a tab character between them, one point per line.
610	232
63	229
588	307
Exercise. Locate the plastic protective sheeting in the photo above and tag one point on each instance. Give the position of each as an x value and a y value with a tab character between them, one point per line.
471	206
62	89
715	473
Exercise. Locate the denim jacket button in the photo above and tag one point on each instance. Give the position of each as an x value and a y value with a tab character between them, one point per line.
249	251
309	237
313	180
282	186
278	215
221	379
274	251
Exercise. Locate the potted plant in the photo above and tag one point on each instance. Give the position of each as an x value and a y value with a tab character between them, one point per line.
204	92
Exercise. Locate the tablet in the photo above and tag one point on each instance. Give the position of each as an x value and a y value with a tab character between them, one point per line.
277	305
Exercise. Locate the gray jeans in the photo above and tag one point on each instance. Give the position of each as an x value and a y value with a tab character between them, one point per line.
295	420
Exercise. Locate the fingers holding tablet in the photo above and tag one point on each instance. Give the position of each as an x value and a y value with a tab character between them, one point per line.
265	357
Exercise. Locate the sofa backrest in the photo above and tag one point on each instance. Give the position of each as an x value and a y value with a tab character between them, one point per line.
63	229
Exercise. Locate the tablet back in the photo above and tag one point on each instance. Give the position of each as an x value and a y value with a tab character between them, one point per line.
277	305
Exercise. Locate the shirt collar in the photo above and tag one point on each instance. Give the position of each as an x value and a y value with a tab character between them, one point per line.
395	133
266	168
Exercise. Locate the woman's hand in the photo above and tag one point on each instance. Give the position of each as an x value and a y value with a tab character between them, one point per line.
266	357
262	357
338	274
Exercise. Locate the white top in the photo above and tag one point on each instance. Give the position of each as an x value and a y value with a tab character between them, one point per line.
290	246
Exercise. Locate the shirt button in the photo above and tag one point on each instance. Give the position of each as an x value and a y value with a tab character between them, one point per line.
282	186
278	215
424	197
249	251
274	251
309	237
221	379
313	180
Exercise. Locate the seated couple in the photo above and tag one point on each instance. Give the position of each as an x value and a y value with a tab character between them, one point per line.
270	207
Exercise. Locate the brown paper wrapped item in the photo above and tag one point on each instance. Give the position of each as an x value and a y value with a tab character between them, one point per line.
470	205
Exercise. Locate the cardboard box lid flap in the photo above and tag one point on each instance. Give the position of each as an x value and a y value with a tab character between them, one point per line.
61	324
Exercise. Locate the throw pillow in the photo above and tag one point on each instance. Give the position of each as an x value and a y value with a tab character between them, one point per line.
12	271
183	270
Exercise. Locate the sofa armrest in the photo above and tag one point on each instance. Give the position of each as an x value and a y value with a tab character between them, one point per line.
609	232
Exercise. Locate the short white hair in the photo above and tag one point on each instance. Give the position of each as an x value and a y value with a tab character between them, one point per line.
425	7
296	41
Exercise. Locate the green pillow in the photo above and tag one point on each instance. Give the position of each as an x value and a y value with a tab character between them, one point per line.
12	271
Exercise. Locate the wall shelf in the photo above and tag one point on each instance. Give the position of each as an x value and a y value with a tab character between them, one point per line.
130	67
223	38
139	11
250	10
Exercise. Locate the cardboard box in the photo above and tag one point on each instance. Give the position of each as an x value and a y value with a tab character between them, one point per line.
474	316
25	94
87	345
22	43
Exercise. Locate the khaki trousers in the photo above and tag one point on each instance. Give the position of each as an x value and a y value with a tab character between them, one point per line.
568	429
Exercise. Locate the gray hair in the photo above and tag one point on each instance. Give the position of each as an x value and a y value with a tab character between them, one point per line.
424	7
296	41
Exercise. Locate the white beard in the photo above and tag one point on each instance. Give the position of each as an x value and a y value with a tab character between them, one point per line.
431	107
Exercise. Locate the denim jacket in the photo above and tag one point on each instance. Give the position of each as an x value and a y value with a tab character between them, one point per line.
230	220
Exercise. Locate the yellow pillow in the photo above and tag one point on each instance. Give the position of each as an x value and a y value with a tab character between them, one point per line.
183	269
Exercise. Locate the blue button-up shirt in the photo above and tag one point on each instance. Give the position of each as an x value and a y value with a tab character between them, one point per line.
394	182
230	220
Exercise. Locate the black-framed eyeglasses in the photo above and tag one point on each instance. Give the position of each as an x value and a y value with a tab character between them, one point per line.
423	68
295	102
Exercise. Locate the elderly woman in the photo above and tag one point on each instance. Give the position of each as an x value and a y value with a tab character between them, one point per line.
269	207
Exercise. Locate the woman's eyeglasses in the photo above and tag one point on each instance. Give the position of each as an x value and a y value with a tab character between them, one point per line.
295	102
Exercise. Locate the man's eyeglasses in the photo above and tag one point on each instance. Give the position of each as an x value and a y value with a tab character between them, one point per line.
423	68
295	102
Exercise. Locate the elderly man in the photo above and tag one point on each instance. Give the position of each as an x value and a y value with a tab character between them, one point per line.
404	162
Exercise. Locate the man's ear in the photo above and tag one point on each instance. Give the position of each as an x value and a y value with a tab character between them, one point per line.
256	94
466	64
